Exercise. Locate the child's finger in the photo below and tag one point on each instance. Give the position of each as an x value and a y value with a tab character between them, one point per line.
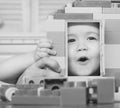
41	55
45	45
49	51
47	62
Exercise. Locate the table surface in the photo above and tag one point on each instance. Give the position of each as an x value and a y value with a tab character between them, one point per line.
115	105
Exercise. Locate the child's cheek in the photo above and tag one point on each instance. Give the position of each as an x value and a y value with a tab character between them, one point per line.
95	49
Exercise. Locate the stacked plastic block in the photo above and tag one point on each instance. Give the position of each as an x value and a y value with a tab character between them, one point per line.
59	92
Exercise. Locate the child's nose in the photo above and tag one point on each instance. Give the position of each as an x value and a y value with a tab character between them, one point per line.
82	47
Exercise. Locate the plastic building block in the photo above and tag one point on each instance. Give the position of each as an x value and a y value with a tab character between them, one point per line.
112	37
45	92
72	16
28	92
81	84
92	3
111	11
56	92
24	79
112	25
35	100
105	90
117	95
58	39
115	1
73	96
69	84
94	10
7	93
55	83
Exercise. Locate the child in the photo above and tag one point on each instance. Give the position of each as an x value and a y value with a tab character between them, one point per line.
12	68
83	49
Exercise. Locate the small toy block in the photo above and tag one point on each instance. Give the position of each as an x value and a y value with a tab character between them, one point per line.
35	100
69	84
81	84
94	10
46	92
27	86
105	90
7	93
117	97
112	37
73	96
111	11
92	3
56	93
112	25
33	80
55	83
71	16
22	92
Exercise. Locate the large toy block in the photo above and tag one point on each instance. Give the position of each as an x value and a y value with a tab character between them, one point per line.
112	25
55	83
112	60
35	100
52	24
72	16
114	73
111	11
58	39
94	10
106	16
112	37
105	90
92	3
73	96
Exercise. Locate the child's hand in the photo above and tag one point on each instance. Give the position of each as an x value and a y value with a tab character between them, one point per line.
44	49
45	67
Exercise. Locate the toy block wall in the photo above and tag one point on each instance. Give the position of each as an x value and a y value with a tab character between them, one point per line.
108	11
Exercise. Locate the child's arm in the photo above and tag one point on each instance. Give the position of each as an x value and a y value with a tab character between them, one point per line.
11	68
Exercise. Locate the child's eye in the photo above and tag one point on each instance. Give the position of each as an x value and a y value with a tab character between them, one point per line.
71	40
91	38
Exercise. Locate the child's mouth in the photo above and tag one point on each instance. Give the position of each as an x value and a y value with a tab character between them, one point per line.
83	60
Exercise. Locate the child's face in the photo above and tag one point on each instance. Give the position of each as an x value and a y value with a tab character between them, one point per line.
83	49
